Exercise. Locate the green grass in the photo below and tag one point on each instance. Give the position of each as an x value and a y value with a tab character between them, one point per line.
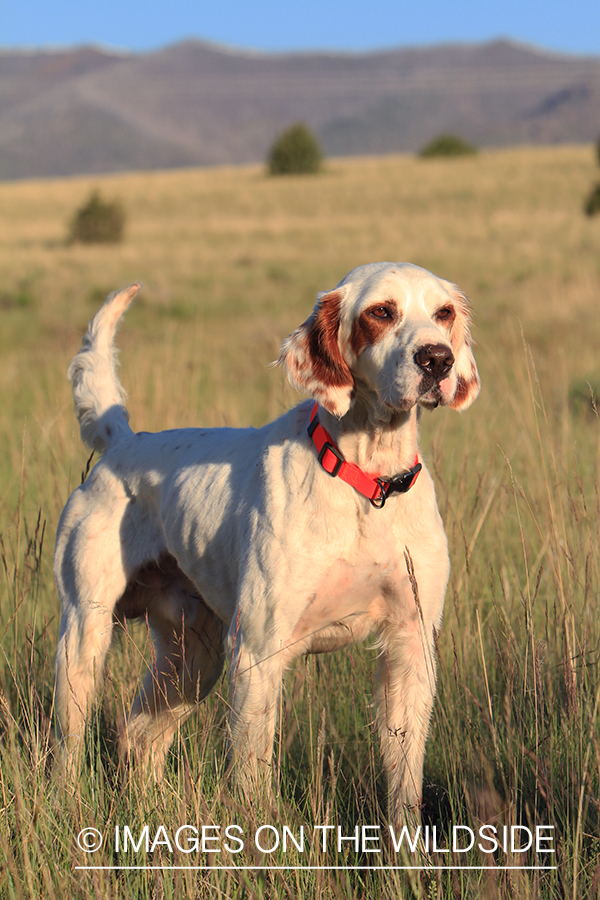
231	262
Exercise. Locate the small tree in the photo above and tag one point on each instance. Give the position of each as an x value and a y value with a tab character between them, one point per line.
98	222
295	152
447	145
592	203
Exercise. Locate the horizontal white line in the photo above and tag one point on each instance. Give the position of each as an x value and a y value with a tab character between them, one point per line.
307	868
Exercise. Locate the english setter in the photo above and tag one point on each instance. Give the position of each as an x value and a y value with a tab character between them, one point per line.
239	543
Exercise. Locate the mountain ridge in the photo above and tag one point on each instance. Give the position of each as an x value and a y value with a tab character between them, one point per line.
91	109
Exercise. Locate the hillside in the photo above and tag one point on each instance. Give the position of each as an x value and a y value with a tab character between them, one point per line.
88	110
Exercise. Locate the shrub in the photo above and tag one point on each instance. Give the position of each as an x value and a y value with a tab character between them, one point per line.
295	152
592	204
447	145
98	222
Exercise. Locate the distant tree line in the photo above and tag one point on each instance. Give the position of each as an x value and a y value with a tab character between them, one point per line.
296	151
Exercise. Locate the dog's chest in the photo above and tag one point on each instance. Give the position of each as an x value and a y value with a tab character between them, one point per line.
373	585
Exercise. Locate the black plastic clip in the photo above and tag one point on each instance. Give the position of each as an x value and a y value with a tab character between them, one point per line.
399	484
339	458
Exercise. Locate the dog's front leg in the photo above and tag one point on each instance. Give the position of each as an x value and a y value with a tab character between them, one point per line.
406	689
255	688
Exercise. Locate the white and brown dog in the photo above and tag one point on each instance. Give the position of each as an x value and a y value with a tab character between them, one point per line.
239	543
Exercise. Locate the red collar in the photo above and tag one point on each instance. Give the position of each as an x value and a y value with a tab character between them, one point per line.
375	488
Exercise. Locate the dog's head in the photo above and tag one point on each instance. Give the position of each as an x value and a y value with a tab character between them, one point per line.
393	328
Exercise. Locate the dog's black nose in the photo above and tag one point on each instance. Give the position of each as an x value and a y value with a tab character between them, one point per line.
435	360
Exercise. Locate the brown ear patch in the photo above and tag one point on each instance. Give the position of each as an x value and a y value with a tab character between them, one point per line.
467	389
461	394
326	360
468	383
314	361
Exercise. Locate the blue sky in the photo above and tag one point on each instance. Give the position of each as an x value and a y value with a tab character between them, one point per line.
571	27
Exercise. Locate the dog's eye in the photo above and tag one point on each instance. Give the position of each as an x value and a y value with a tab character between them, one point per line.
380	312
445	313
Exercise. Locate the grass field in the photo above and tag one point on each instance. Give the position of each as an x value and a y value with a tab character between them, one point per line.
231	262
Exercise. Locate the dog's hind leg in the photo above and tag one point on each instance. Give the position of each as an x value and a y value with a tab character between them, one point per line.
90	576
85	636
84	641
187	663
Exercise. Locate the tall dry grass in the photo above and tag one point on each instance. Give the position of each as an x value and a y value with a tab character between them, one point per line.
231	261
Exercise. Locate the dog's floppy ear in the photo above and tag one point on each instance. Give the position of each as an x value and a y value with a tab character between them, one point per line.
313	360
465	367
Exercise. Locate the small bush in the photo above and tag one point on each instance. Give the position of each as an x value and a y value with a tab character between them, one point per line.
447	145
592	204
295	152
98	222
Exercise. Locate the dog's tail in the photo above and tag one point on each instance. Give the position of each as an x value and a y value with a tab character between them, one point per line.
98	393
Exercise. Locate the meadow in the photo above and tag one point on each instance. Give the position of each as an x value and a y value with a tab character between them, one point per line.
231	260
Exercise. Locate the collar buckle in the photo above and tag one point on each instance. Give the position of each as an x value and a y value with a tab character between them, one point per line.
339	459
402	483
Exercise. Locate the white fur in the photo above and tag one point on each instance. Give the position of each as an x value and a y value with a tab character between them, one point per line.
236	543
